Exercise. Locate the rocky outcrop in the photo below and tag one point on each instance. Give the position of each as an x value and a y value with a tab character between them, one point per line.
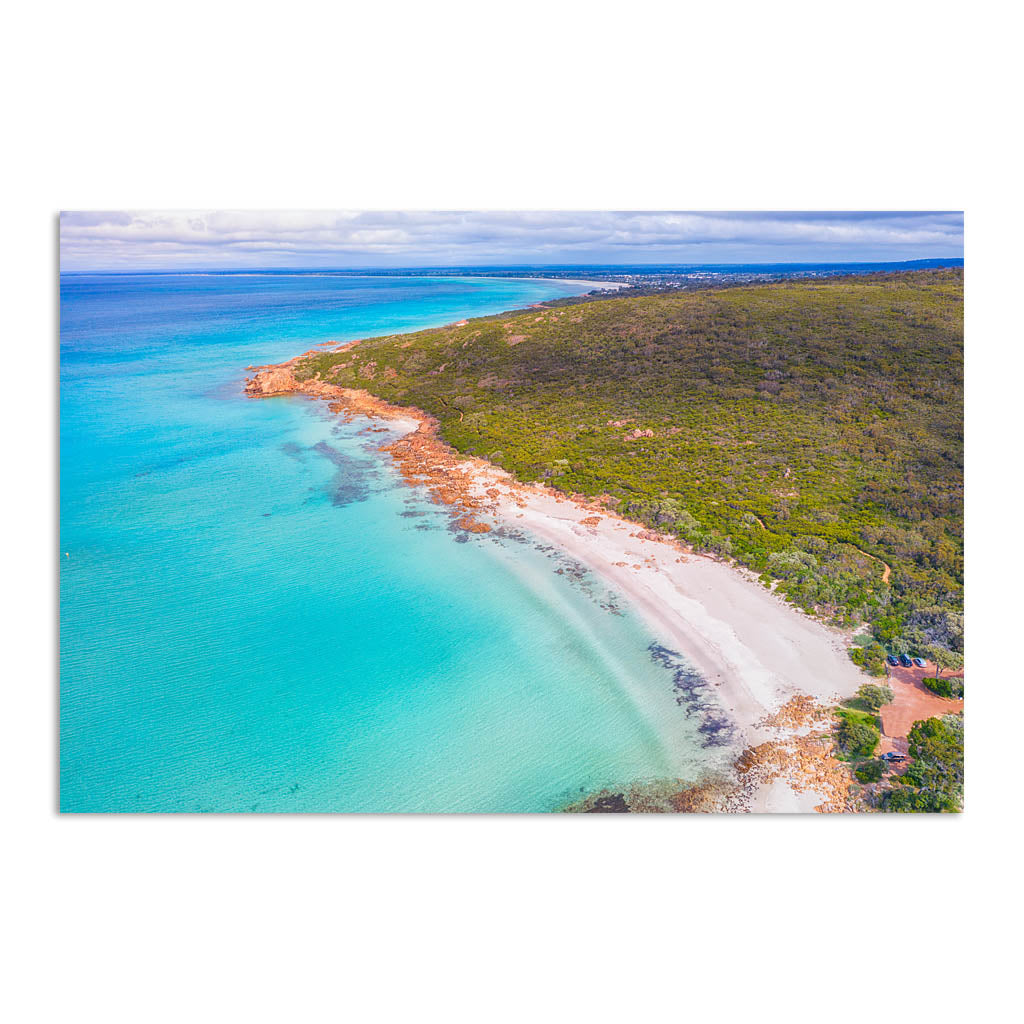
275	380
421	457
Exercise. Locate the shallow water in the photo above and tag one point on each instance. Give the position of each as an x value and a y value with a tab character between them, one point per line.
258	615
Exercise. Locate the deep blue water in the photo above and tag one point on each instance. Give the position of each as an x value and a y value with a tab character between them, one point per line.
257	614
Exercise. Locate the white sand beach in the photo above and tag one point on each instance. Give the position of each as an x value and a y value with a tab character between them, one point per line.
613	286
758	648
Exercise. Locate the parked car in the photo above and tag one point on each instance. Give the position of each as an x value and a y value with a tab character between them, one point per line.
905	661
892	659
919	662
893	757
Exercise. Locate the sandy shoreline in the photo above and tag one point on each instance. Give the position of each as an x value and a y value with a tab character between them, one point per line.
760	655
589	285
758	649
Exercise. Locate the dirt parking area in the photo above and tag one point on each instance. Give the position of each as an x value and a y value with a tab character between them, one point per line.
913	702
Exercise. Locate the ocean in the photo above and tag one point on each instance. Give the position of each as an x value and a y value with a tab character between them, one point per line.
257	614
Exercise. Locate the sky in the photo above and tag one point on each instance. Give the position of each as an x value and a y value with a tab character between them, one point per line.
228	239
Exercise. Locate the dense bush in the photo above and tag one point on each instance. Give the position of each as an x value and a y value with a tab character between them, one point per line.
870	657
857	736
934	781
952	687
905	799
875	697
870	771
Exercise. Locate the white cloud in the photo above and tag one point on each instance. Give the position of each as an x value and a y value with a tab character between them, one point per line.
154	239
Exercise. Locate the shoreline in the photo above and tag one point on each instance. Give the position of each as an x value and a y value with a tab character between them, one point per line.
590	285
771	668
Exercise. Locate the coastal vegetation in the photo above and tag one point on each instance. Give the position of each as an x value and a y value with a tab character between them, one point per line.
869	656
858	733
952	687
870	771
872	698
812	430
935	779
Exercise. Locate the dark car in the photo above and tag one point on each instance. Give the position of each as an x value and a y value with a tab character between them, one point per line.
892	659
905	661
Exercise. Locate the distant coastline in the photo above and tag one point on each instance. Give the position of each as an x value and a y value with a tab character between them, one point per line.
587	273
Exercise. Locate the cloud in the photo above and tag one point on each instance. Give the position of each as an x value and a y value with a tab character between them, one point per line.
240	238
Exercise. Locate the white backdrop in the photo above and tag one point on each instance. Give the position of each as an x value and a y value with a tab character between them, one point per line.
445	105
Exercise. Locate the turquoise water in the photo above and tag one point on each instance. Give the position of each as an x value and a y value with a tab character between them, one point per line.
258	615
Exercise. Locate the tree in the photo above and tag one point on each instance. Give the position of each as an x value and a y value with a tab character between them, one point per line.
944	658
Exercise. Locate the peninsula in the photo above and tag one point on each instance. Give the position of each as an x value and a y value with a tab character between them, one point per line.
771	475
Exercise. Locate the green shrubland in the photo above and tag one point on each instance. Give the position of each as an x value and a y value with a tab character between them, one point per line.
812	430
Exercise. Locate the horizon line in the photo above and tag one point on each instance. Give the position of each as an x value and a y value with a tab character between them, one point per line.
505	266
